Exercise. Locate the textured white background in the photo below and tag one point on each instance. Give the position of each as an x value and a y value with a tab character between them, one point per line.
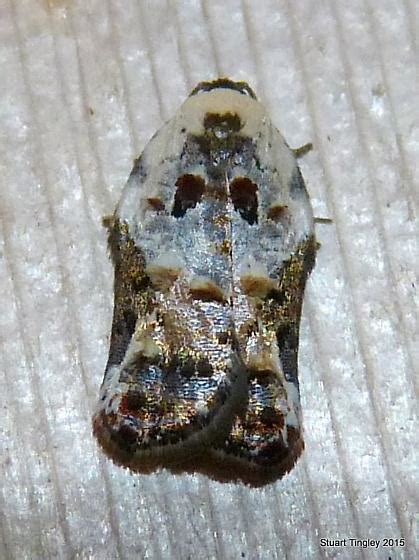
83	86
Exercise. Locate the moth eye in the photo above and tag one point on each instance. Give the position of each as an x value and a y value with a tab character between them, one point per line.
243	194
190	189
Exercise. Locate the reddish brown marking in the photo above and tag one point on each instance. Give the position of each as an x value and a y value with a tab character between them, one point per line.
262	376
156	204
207	292
132	403
277	212
190	189
271	417
293	435
126	435
256	286
243	194
273	453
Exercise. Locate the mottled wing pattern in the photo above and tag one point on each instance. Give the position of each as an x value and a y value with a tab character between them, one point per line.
212	243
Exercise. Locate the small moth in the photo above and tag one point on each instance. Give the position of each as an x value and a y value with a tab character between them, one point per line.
212	242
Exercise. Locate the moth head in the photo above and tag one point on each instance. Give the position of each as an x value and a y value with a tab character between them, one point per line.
224	83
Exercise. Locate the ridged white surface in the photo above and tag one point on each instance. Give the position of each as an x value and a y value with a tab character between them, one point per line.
84	85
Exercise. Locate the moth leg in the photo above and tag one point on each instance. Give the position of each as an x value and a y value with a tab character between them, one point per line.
302	150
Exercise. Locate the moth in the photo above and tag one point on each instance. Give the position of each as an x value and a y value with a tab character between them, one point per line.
212	243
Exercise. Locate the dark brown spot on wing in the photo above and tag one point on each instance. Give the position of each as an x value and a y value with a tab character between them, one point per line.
187	367
271	417
132	403
190	189
205	289
256	285
243	194
125	436
204	367
156	204
263	376
278	212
